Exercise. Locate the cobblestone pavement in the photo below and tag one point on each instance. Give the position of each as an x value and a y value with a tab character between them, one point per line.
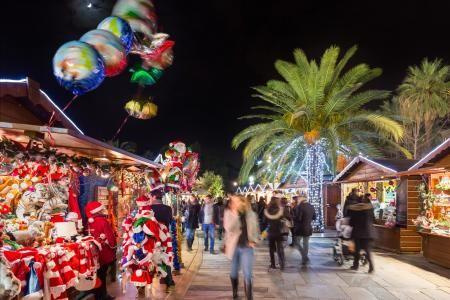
395	277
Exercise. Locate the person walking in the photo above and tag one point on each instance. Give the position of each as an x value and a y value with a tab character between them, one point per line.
191	216
241	235
361	219
100	228
209	217
304	214
352	198
293	205
221	209
287	221
260	211
274	214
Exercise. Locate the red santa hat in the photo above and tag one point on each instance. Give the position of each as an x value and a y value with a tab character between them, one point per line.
143	201
92	208
151	227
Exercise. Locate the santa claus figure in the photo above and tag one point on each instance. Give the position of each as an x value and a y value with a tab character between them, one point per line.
100	228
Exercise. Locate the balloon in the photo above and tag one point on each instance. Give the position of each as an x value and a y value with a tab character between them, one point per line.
141	109
140	14
120	28
160	54
110	49
78	67
144	77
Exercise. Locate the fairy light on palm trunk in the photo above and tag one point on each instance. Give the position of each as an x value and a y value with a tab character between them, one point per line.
315	162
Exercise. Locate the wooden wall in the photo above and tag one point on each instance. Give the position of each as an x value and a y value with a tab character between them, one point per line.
410	240
13	111
362	172
331	198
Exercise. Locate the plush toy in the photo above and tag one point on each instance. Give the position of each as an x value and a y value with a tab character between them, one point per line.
9	285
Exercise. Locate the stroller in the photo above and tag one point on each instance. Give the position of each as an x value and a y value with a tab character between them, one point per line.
344	247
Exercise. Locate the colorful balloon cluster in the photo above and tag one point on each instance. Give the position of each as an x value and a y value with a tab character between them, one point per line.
81	66
180	170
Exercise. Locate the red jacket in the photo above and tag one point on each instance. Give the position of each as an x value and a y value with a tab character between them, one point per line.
102	231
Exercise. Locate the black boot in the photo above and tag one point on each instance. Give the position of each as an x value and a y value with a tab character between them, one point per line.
248	290
234	284
189	244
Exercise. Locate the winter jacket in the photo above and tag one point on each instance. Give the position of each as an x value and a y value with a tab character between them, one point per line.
361	219
216	214
232	226
192	215
163	213
273	219
304	214
103	232
350	200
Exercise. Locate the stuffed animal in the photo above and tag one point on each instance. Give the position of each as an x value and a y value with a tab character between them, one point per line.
9	285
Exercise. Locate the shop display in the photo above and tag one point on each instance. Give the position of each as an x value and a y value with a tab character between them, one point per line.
434	202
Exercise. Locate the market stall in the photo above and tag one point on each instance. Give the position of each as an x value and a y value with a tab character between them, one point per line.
389	197
433	195
47	176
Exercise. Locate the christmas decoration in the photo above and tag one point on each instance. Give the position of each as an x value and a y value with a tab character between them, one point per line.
176	261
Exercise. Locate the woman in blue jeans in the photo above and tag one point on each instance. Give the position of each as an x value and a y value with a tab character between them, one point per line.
241	235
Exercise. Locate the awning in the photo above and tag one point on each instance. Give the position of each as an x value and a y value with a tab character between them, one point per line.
71	142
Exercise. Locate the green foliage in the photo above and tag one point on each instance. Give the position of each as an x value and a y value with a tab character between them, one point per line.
316	102
424	103
210	183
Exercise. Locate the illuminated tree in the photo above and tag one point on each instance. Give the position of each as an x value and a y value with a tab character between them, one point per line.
314	114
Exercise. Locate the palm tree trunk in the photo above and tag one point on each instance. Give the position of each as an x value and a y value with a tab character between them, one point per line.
315	161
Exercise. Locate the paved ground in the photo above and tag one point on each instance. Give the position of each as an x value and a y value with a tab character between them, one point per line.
409	277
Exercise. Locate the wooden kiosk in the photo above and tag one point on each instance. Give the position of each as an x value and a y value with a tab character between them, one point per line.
433	224
392	208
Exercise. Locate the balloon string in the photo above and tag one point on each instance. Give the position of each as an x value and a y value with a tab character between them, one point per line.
52	120
120	128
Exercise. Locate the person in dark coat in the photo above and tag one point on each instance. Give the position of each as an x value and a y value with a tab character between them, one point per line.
304	214
273	217
261	206
192	218
101	229
352	198
163	214
361	220
221	208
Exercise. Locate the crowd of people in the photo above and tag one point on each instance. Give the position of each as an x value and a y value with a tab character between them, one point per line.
242	222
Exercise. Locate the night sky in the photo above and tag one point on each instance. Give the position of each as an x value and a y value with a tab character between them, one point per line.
223	47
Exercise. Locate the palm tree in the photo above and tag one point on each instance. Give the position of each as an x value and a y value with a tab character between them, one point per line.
313	115
423	101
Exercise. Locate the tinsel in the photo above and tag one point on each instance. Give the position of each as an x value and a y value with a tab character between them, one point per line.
173	231
179	238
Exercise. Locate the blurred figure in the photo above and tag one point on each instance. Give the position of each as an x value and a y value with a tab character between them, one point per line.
287	214
209	217
221	208
292	210
303	217
191	216
274	213
353	198
241	236
361	219
252	200
261	206
101	229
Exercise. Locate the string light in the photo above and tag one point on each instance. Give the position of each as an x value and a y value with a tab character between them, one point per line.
315	162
